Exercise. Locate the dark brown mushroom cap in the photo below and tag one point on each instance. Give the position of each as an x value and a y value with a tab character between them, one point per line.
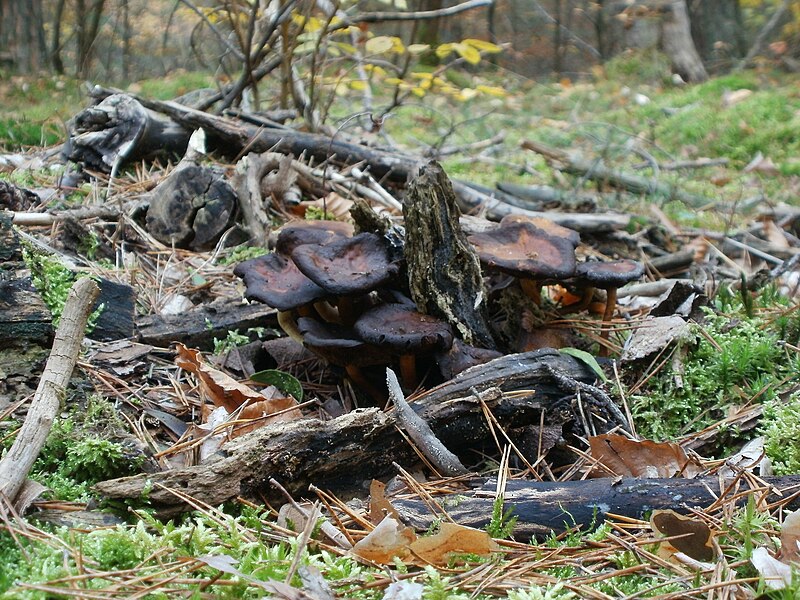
297	233
609	274
276	281
403	330
339	345
549	226
461	356
525	250
347	266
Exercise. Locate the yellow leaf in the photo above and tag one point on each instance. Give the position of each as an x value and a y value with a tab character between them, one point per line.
419	92
418	48
445	50
483	46
346	48
358	85
492	90
393	81
467	94
421	75
379	44
397	45
379	71
468	53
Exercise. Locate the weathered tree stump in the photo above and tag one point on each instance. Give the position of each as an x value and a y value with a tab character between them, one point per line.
443	269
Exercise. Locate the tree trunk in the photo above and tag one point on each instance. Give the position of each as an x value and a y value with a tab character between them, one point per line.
717	29
676	40
22	44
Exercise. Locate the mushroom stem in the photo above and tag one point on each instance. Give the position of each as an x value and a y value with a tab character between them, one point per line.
347	310
356	375
608	313
287	322
532	289
408	370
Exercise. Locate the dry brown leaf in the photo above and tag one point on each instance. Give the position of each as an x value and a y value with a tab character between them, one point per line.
452	538
388	540
695	540
223	390
646	458
379	505
774	234
790	538
729	98
776	575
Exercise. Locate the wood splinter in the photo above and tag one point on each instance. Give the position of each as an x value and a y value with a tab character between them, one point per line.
420	432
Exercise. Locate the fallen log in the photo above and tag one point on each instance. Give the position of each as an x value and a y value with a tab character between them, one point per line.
595	170
120	129
234	137
342	453
545	507
199	327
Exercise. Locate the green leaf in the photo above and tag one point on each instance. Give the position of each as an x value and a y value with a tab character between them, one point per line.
587	359
286	383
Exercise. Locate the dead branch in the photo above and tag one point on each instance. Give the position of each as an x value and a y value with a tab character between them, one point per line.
597	171
15	466
544	507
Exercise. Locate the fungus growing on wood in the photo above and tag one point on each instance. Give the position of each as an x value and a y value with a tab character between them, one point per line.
530	252
298	233
609	276
276	281
347	267
404	332
341	346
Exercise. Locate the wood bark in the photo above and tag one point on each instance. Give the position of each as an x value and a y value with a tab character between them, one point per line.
443	269
22	45
232	137
546	507
192	328
676	40
341	454
16	464
24	318
120	129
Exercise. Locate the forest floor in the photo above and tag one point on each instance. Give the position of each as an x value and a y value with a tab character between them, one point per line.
731	145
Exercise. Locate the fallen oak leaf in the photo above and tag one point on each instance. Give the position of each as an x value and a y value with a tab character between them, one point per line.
389	540
646	458
790	538
224	391
452	539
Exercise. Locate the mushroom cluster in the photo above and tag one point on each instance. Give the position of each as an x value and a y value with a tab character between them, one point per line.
538	252
341	296
338	294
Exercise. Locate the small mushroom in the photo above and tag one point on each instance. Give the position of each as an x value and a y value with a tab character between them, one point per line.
404	332
529	252
277	282
341	346
298	233
347	268
461	356
609	276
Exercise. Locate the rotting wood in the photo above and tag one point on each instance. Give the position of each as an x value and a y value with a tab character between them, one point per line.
471	200
595	170
544	507
444	271
233	137
198	328
120	129
16	464
342	453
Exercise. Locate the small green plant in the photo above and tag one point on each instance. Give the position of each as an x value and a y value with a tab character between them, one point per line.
242	253
234	339
502	523
318	213
53	281
779	426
